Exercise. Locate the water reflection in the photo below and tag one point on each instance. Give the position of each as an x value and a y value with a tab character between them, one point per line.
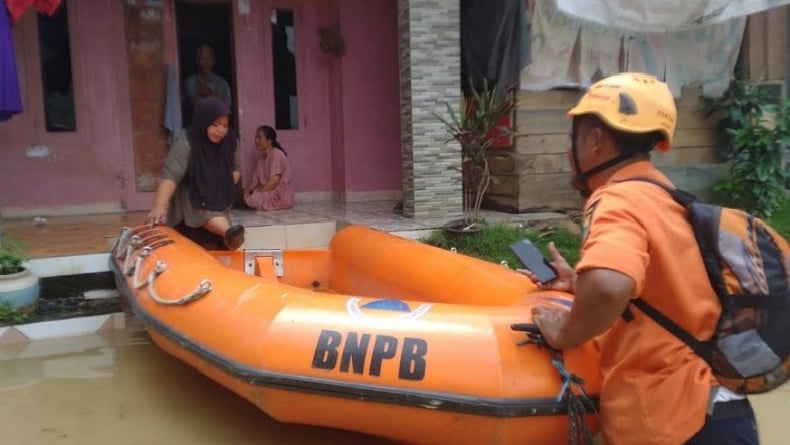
119	388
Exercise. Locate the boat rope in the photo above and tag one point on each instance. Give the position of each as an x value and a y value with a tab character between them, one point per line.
136	283
143	241
202	289
578	430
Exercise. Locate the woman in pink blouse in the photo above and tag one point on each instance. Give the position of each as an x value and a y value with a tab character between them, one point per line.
270	186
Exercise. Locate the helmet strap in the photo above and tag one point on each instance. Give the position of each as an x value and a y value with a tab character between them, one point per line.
579	180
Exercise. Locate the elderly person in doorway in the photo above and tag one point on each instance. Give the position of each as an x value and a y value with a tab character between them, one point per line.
199	180
270	186
205	82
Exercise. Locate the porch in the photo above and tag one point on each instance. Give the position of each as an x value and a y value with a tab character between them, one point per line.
71	245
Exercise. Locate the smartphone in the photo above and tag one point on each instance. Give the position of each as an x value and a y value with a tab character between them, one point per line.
533	260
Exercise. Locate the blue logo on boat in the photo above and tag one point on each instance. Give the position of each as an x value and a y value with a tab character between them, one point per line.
356	309
388	305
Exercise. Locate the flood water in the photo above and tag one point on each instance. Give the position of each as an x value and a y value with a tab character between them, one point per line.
119	388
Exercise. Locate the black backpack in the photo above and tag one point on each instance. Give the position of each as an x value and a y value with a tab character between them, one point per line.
748	265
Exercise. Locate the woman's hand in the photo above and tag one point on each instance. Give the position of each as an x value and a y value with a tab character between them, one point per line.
157	216
164	191
565	273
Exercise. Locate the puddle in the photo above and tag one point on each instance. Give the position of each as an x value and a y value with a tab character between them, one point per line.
120	388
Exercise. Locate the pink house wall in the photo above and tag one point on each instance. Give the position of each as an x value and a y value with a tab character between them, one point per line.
350	109
371	95
85	167
309	151
349	136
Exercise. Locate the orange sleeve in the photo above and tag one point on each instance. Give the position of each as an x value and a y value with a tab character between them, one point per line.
615	239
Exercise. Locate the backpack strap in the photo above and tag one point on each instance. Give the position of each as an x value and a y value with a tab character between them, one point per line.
681	197
702	349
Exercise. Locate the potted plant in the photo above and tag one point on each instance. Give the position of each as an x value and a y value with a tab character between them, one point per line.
754	132
19	287
475	125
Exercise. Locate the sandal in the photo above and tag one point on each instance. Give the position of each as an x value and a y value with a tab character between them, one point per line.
234	237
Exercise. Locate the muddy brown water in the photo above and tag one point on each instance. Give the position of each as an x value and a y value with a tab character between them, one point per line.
119	388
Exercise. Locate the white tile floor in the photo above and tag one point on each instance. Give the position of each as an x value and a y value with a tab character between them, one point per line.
308	224
376	214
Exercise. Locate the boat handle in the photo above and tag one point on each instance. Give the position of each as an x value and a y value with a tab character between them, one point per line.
203	288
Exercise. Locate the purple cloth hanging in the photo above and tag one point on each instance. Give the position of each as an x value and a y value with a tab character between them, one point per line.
10	99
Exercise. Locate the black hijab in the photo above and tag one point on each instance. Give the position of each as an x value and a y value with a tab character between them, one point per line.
210	165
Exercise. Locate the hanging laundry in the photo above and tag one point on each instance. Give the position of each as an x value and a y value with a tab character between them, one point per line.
17	8
704	56
10	98
571	52
172	115
494	43
663	16
553	38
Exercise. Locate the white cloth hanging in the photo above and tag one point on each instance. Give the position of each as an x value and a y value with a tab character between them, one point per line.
664	15
569	52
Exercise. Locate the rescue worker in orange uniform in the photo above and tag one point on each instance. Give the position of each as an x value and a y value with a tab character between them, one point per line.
638	243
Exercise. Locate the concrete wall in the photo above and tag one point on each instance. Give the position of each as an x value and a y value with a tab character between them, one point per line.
430	73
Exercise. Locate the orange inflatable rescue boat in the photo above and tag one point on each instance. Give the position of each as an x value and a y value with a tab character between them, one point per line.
376	334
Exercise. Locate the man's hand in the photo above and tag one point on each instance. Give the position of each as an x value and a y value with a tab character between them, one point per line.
601	296
551	321
565	273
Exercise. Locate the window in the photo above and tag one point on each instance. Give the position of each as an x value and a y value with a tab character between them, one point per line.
286	112
57	86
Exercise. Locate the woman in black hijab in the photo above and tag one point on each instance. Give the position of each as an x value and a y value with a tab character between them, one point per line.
200	175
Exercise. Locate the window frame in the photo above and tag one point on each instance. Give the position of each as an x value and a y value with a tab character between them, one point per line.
69	20
32	86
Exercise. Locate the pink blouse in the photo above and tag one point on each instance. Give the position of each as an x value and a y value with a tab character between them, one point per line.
282	197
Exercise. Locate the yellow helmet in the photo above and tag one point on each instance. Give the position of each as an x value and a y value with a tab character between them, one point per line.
632	103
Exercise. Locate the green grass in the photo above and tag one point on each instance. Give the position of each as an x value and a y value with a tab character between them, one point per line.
10	314
492	243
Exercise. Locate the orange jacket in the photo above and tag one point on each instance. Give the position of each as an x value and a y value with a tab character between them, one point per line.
655	388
